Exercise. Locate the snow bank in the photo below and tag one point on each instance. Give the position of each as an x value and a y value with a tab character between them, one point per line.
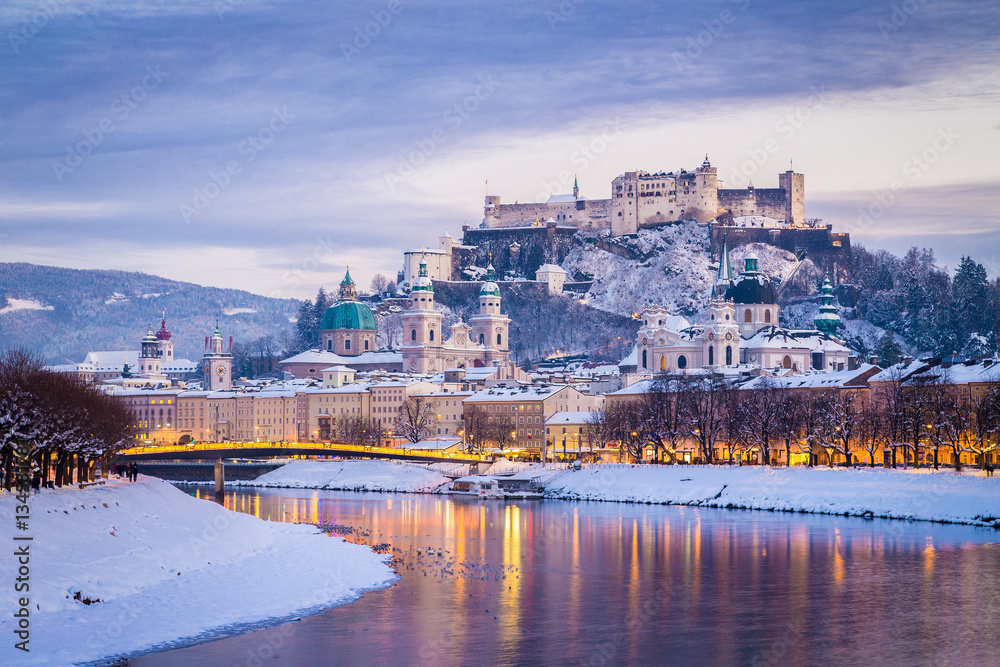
167	569
352	476
856	492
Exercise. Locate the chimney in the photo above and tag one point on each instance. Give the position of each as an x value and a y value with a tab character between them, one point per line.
907	359
852	362
873	360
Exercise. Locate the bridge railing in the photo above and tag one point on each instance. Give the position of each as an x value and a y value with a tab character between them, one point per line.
312	446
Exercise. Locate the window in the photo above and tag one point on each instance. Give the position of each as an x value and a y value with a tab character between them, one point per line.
682	361
711	356
663	363
366	344
432	334
329	344
644	365
729	355
786	362
481	339
498	339
746	316
767	316
347	344
413	333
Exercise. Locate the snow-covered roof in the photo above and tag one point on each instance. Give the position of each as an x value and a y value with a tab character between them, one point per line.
338	369
322	357
793	339
831	380
523	393
551	268
632	358
563	199
570	418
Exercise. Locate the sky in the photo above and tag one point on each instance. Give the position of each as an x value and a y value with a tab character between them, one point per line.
264	145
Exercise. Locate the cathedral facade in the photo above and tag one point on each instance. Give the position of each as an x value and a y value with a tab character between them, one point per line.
483	341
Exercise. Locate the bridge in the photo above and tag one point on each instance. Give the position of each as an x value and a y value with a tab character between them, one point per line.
264	450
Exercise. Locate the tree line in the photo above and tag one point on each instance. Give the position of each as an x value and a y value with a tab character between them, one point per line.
908	423
61	420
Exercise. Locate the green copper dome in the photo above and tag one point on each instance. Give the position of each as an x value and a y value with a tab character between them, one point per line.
348	315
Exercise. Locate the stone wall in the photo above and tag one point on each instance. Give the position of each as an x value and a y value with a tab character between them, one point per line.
819	243
547	244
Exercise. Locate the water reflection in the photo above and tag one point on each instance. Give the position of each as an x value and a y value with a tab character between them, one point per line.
595	583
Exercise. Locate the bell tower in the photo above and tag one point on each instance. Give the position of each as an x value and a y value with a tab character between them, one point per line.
218	362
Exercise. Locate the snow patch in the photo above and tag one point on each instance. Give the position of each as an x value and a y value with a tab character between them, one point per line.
237	311
24	304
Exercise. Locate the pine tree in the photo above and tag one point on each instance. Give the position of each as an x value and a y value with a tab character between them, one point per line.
305	326
888	350
970	313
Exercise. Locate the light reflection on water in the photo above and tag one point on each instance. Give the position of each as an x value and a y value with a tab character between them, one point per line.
601	583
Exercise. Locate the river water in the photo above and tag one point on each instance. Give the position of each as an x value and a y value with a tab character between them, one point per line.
532	582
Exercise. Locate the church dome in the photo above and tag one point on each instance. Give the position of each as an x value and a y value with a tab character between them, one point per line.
348	315
752	289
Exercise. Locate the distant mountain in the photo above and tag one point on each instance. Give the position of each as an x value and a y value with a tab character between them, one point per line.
65	313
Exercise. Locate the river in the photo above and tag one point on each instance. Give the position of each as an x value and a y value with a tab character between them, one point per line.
531	582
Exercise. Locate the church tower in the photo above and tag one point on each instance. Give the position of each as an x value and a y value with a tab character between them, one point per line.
421	325
166	345
218	363
721	337
490	327
150	356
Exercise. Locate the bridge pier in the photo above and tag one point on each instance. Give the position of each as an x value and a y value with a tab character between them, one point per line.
220	477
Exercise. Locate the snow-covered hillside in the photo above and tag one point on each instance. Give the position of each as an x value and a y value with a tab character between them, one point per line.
678	271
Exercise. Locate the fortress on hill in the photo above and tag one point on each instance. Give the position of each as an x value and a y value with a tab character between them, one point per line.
640	199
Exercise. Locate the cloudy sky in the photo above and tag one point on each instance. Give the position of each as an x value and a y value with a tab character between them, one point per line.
263	145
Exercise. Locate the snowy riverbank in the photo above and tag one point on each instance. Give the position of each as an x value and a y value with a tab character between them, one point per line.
898	494
352	476
875	492
167	569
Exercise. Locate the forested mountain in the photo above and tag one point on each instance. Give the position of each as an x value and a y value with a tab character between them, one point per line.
65	313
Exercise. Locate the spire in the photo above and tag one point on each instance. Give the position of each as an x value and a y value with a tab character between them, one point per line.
725	268
347	277
348	290
576	188
163	333
828	320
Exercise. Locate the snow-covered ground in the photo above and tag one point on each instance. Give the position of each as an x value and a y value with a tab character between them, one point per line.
857	492
899	494
167	569
352	476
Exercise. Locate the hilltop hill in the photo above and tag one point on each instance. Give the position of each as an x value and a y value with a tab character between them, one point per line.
64	313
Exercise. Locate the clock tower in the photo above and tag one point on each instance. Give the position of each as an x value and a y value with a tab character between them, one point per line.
218	363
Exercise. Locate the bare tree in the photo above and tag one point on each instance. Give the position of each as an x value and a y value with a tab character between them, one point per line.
705	408
664	416
789	420
843	411
501	431
760	413
380	284
476	426
984	436
415	418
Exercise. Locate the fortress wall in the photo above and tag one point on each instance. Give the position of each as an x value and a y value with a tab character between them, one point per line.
547	244
770	202
819	243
